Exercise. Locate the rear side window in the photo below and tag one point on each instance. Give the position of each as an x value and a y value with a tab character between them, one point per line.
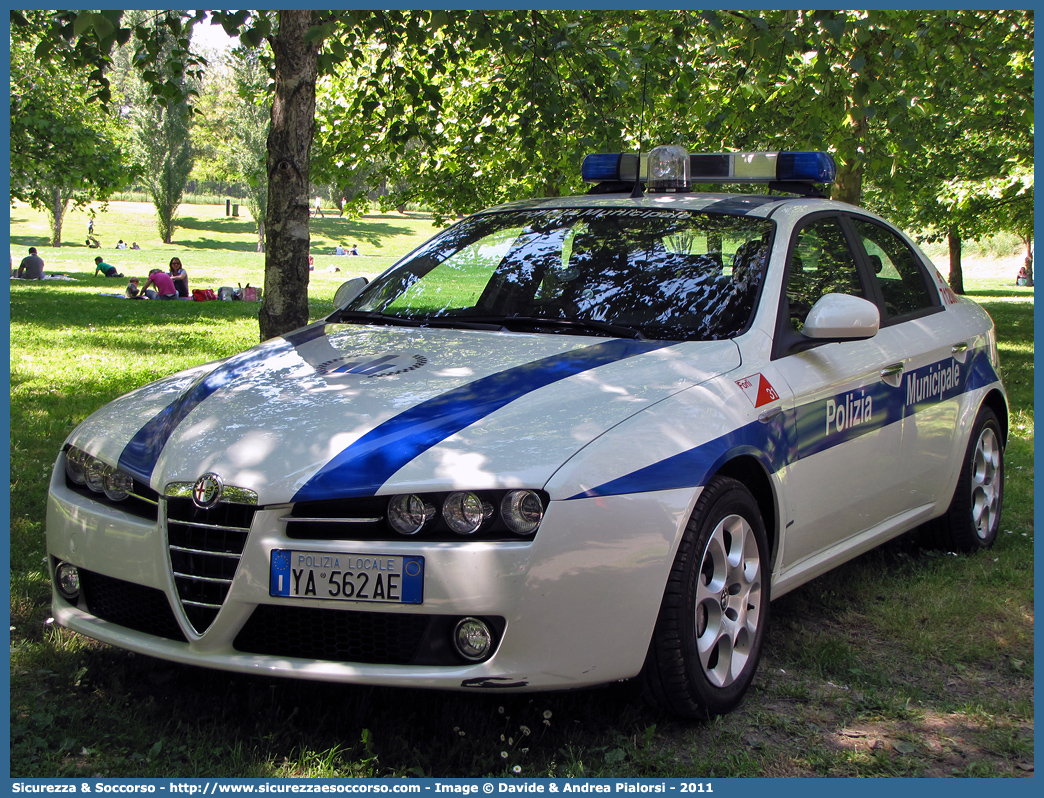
895	269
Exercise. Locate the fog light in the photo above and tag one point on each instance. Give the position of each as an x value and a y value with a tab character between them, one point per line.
473	639
463	513
408	513
522	511
67	579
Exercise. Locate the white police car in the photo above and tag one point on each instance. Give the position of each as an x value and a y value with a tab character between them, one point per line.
566	442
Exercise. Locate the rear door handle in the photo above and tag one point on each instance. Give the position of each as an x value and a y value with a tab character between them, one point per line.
960	351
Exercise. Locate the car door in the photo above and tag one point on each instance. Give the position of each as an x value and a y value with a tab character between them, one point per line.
925	350
845	436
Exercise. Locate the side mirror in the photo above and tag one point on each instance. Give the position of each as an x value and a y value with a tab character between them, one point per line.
840	317
349	291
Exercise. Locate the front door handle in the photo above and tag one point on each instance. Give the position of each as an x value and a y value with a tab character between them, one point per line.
767	415
892	375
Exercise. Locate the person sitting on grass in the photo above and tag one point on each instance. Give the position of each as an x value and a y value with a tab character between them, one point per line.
133	289
105	268
32	266
179	276
164	286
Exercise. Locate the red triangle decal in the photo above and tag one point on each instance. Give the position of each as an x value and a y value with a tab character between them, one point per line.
766	393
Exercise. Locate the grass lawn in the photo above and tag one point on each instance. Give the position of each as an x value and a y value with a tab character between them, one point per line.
215	249
904	662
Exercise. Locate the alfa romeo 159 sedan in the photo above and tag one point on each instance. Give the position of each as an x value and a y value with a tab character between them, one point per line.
566	442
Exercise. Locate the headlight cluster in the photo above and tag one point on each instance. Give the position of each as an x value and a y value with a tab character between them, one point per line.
511	514
83	469
466	512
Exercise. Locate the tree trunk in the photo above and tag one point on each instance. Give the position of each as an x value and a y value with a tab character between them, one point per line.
261	236
284	305
848	185
956	275
57	213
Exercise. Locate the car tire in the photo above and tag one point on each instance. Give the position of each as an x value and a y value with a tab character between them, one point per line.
973	517
707	641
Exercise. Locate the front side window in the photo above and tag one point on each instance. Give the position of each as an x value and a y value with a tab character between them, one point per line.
821	262
672	275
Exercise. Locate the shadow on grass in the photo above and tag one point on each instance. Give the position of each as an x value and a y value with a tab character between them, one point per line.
56	308
418	215
357	230
29	241
367	231
42	243
212	245
229	226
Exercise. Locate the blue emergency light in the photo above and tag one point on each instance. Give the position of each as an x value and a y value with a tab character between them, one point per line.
725	167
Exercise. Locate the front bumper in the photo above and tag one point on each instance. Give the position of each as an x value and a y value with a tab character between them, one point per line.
576	606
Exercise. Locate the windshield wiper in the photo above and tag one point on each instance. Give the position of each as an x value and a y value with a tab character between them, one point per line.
496	323
448	322
590	325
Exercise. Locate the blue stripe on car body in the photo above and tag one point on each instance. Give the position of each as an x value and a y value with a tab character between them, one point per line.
140	455
362	468
808	429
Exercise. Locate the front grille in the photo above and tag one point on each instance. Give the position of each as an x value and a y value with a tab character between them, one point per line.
352	519
338	635
143	609
205	547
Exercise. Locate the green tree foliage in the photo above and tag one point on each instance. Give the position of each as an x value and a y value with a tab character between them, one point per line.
165	152
248	148
970	171
461	109
474	108
65	151
217	105
230	128
930	113
160	125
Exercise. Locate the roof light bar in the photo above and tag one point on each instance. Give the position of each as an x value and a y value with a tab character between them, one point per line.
763	167
669	169
727	167
611	167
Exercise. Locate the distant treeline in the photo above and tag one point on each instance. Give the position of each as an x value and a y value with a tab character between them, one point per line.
197	192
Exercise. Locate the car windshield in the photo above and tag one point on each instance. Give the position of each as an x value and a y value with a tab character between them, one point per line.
668	275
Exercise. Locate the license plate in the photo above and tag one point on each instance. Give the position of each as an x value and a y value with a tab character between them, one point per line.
382	579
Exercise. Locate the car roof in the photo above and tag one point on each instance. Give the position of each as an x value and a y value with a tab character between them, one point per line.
758	205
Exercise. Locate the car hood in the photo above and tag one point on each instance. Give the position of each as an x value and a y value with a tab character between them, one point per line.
337	410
